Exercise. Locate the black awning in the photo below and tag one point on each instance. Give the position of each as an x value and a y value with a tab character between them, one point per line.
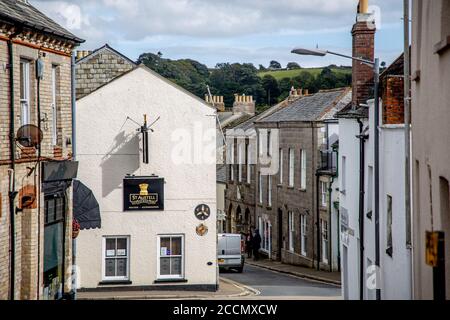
85	207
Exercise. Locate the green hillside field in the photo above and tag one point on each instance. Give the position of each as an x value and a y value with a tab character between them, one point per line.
280	74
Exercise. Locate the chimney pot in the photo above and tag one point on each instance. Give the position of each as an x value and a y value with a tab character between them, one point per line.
363	6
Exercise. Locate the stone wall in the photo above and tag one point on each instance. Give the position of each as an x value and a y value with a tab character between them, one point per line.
99	68
286	198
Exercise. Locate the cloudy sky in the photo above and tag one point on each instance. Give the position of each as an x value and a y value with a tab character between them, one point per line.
213	31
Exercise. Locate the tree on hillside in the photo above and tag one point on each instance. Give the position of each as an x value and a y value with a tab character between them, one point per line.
271	89
187	73
305	80
274	65
262	68
229	79
285	86
293	66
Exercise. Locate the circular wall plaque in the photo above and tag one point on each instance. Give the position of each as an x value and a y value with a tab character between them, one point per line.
202	212
201	229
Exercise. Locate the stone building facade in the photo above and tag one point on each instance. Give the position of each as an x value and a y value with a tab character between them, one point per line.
241	161
290	217
97	68
259	193
39	65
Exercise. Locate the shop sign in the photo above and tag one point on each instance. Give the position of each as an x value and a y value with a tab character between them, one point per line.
143	194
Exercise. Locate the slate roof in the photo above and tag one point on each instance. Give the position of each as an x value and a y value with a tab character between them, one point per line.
21	12
250	123
352	112
308	108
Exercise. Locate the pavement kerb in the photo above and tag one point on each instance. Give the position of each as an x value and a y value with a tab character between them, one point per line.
246	291
297	274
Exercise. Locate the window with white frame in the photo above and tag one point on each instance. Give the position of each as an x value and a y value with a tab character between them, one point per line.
170	256
269	191
324	229
249	168
303	169
25	112
260	142
54	106
265	230
260	187
291	230
323	193
291	167
369	191
232	161
116	255
280	165
240	161
303	234
342	176
389	226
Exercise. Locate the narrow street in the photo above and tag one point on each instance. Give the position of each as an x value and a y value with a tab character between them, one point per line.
275	285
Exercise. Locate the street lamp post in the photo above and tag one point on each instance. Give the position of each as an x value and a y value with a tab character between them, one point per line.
376	73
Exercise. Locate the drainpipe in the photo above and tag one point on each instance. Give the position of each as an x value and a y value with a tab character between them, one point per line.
12	189
38	76
376	68
318	220
330	246
362	138
407	104
74	154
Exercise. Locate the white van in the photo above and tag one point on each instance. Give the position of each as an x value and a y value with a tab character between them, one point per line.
230	251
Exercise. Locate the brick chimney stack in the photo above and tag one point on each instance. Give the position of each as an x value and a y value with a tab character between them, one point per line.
244	104
363	33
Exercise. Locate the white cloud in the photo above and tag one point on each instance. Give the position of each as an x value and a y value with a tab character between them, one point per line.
200	22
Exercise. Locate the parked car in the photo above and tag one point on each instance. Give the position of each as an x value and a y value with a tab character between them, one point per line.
230	251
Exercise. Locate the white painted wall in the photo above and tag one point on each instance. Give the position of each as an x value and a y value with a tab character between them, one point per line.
348	202
109	148
395	271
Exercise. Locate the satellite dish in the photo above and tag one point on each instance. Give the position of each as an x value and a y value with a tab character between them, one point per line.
29	136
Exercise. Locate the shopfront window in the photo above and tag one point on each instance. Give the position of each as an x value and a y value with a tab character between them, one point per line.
54	231
170	256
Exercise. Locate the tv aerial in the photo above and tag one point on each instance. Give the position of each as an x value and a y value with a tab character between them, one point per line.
143	129
29	136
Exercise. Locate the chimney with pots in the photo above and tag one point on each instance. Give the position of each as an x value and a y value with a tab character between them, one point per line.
216	102
244	104
363	33
83	53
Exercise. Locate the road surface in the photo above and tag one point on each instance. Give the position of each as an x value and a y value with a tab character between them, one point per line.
275	285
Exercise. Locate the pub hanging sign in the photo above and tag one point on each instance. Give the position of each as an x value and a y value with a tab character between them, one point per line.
143	193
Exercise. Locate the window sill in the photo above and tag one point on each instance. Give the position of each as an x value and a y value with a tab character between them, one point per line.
291	188
442	46
269	208
302	190
114	282
260	205
169	280
280	185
